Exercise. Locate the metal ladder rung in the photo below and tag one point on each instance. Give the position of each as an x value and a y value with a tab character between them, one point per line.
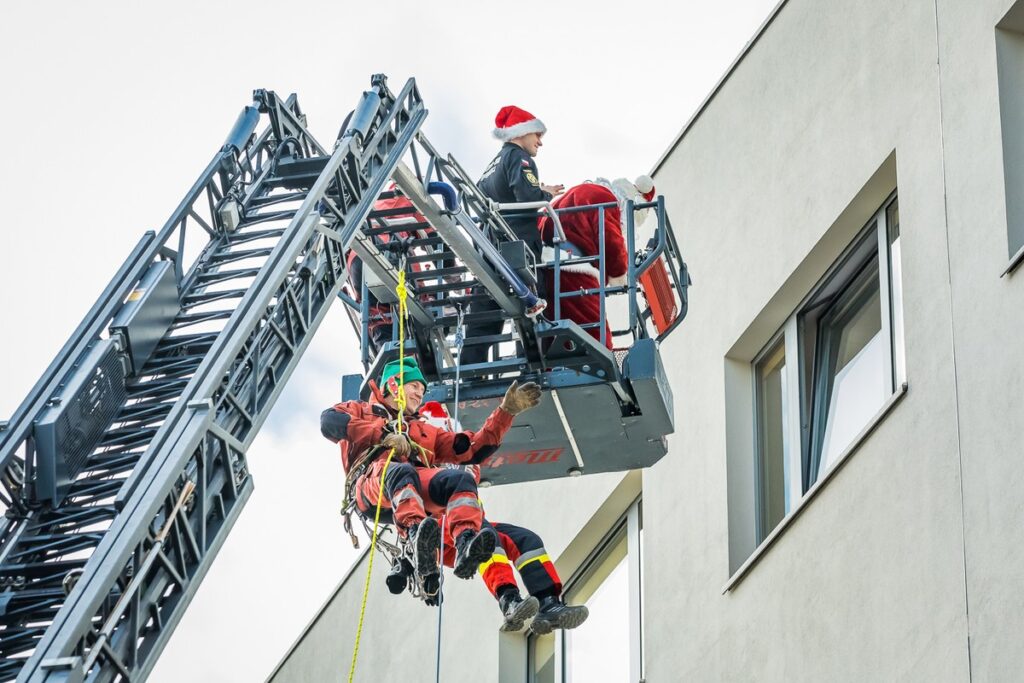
431	241
437	272
226	275
489	368
490	339
224	256
397	228
463	300
241	236
482	317
445	287
206	316
200	298
434	256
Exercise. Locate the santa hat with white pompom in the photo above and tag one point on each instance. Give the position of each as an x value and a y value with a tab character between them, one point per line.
513	122
639	190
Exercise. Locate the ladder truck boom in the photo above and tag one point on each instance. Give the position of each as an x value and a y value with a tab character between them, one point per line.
124	469
99	568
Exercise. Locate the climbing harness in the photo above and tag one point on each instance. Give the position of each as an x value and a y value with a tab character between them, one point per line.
360	466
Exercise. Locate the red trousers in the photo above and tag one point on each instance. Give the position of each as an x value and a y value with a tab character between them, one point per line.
411	493
520	547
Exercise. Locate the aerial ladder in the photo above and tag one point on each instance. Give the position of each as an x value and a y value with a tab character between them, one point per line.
124	469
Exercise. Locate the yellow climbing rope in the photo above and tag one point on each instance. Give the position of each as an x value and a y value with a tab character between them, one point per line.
369	571
403	293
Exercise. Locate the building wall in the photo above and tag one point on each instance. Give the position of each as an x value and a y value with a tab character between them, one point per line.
399	638
868	583
988	324
907	563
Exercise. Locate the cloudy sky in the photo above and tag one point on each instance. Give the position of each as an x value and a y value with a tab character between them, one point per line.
110	111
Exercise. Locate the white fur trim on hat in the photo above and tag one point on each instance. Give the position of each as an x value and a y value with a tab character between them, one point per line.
520	129
643	184
625	189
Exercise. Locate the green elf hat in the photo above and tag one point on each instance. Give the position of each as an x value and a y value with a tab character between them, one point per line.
389	376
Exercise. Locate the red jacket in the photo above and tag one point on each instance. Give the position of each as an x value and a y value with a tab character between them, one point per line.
358	426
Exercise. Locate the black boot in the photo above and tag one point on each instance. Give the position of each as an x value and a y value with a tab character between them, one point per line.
424	541
472	549
430	590
556	614
398	577
515	609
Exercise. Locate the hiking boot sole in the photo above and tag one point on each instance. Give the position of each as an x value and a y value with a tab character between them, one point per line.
526	609
428	542
569	618
480	550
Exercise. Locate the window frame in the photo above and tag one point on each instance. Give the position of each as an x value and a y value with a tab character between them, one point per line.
772	348
1009	49
627	528
806	379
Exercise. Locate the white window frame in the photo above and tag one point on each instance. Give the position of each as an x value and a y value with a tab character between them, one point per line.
632	524
804	386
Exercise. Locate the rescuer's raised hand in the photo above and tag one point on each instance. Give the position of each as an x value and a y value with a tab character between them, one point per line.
520	398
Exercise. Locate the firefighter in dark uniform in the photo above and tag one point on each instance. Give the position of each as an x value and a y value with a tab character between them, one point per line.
512	176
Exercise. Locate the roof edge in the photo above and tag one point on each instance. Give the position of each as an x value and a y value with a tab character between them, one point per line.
718	86
319	613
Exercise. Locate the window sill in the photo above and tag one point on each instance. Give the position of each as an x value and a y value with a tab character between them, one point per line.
1015	261
787	522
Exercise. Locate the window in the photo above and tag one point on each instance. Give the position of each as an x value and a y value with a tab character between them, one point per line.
1010	71
608	646
830	369
775	498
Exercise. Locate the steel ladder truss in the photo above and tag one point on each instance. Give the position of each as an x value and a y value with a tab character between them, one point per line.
451	268
101	554
453	248
465	253
457	250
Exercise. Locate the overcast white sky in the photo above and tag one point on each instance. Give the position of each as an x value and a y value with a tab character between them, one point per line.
110	110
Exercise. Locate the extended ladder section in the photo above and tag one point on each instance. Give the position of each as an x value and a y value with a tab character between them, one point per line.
124	469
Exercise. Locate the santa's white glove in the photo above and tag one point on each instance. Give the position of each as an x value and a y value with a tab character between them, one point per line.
618	281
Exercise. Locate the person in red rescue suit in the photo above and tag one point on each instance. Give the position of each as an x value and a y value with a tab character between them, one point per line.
582	234
415	486
520	547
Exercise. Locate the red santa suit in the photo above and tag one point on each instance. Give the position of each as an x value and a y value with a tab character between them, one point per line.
582	233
